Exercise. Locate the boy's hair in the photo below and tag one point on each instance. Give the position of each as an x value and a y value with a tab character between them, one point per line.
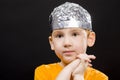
70	15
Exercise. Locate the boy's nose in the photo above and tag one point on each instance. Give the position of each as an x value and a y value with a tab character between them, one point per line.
67	42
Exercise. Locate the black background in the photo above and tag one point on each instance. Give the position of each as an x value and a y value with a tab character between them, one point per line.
24	36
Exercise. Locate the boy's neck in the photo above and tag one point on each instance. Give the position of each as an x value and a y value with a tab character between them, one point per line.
61	64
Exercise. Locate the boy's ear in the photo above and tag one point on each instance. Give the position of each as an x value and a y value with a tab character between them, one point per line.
51	43
91	39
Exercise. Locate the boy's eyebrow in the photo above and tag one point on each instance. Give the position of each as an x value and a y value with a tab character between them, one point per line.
72	29
57	31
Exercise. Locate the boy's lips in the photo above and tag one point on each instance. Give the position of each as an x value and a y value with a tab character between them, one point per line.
68	52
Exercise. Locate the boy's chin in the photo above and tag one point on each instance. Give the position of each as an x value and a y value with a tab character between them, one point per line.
67	61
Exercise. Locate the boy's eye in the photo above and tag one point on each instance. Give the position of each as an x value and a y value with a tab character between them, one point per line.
59	36
75	34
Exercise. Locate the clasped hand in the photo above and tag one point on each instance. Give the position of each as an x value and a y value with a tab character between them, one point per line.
76	68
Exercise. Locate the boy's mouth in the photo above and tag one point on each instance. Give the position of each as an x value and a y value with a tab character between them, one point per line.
68	52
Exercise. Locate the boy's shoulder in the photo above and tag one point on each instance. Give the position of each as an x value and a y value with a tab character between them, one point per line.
48	70
96	73
51	66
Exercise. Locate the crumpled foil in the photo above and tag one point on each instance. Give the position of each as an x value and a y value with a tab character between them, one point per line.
70	15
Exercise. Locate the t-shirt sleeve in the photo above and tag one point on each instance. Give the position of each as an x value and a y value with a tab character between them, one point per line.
101	76
98	75
41	73
93	74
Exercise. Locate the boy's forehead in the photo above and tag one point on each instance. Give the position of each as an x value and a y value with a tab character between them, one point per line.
68	29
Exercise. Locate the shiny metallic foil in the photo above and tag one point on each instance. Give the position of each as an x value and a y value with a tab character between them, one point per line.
70	15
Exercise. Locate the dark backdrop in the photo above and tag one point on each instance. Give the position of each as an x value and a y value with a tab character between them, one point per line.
24	36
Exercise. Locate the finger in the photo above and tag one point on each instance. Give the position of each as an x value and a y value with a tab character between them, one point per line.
85	57
91	57
87	60
84	63
89	64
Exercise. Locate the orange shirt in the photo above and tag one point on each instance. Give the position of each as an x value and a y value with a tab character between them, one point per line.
50	71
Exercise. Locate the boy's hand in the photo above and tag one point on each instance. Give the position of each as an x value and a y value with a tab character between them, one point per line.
76	68
85	61
65	74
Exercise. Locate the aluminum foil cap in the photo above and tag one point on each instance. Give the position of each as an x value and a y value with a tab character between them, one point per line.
70	15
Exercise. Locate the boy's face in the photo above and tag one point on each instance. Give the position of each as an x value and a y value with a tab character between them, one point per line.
70	42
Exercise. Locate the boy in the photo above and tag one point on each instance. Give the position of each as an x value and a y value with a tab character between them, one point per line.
71	33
